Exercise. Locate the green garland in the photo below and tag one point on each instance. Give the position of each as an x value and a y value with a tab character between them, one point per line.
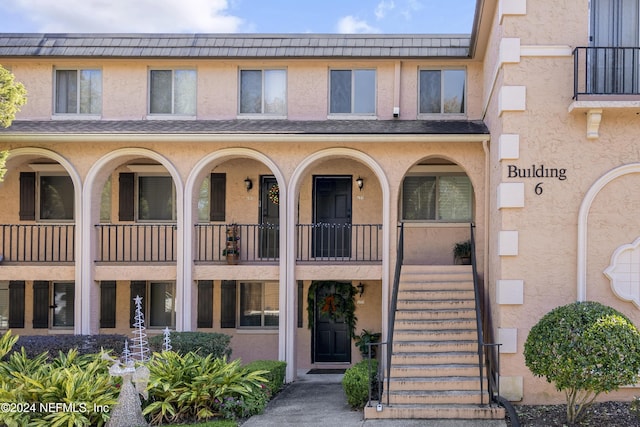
341	304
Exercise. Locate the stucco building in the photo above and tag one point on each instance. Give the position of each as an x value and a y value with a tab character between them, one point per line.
141	161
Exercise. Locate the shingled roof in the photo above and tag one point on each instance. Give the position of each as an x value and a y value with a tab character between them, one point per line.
257	127
234	45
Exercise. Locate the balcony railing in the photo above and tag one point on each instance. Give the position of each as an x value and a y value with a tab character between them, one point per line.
37	242
339	242
136	242
602	71
257	242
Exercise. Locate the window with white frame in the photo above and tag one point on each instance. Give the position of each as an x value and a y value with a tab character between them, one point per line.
259	304
437	197
156	198
56	197
161	307
4	304
263	92
352	91
78	92
442	91
62	298
172	92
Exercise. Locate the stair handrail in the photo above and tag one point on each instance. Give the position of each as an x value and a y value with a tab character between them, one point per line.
394	304
476	290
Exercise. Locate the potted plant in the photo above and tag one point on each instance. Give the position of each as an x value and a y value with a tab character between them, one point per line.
232	247
364	339
462	252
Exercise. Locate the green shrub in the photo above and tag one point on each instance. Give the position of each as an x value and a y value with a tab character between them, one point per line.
356	382
193	387
82	380
84	344
203	343
275	375
584	348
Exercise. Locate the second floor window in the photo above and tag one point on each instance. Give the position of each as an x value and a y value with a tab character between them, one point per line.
172	92
442	91
352	92
78	92
156	198
263	92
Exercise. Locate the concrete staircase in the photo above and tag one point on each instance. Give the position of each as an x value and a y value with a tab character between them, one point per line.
434	365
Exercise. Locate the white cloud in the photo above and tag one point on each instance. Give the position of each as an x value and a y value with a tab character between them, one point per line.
383	7
139	16
411	7
351	25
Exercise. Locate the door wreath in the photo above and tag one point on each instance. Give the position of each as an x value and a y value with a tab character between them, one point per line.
337	306
274	194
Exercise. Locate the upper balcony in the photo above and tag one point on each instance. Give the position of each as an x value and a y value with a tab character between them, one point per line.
605	79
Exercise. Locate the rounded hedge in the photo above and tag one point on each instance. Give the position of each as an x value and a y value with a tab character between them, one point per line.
584	346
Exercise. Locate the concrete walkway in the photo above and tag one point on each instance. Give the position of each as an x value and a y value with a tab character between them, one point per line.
318	400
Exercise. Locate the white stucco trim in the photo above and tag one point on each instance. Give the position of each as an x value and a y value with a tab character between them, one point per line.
512	98
509	146
81	313
292	206
546	50
287	316
88	247
583	221
511	7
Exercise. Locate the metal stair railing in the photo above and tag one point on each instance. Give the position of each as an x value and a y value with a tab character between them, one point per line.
394	304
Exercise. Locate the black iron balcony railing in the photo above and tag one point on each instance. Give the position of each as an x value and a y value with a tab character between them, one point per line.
136	242
339	242
606	71
37	242
256	242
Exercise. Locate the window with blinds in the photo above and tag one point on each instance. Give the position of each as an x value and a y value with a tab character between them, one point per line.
443	198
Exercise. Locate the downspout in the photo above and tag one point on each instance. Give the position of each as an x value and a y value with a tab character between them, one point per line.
487	200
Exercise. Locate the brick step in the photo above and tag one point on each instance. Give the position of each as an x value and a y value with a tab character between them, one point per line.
437	397
435	383
463	283
446	304
434	324
431	371
434	412
435	346
436	295
416	312
434	335
434	358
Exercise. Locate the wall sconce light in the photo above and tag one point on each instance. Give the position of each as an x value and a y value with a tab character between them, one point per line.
360	183
360	289
248	183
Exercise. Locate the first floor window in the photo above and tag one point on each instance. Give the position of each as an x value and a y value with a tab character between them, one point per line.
263	92
4	304
442	91
352	92
172	92
161	308
78	92
63	302
444	198
259	304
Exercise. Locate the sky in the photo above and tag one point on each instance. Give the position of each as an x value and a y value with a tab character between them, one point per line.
237	16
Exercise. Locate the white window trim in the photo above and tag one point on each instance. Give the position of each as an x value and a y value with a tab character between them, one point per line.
170	116
443	115
239	302
263	115
74	116
354	116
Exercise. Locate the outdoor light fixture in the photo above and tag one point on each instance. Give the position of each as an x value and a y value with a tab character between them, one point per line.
360	183
248	184
360	289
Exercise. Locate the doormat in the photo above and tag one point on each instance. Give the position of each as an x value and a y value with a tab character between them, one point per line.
326	371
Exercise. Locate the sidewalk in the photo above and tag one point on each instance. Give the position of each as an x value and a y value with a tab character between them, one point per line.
319	401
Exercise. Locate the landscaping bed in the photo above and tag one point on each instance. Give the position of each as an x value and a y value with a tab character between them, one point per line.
604	414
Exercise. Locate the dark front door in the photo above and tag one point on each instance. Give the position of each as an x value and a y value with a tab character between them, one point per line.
332	217
331	337
269	233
